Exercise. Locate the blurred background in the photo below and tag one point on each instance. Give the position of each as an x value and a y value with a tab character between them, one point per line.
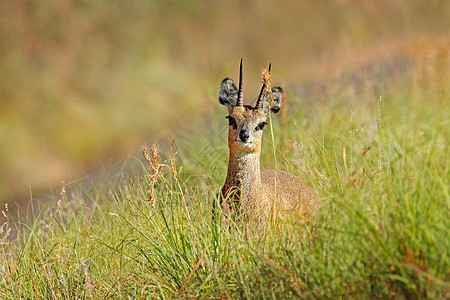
85	83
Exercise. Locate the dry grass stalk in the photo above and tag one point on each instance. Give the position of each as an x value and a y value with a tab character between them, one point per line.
173	167
155	167
151	155
266	77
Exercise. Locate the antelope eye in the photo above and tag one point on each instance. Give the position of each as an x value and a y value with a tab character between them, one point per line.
231	122
260	126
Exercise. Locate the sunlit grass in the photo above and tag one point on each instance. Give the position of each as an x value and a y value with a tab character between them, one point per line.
380	168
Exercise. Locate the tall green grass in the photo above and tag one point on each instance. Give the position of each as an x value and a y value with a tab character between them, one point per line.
380	168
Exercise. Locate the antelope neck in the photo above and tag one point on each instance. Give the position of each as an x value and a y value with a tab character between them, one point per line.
244	172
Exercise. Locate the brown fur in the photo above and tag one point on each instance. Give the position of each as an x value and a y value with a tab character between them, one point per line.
255	189
248	191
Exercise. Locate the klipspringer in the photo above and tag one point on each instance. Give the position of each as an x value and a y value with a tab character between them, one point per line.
249	191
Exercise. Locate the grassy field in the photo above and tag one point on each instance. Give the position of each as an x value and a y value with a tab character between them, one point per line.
379	163
366	125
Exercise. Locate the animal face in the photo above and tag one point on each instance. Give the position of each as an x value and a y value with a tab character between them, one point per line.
247	122
245	128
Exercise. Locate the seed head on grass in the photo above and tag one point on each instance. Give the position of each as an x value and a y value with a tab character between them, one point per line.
151	155
4	228
152	158
172	166
266	77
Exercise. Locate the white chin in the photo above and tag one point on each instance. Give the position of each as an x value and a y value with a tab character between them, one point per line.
246	145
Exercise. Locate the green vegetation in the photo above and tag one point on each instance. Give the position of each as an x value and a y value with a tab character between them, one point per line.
380	166
84	81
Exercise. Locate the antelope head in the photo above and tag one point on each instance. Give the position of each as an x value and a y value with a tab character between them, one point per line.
246	122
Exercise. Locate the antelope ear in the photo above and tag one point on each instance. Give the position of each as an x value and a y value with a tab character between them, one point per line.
277	97
228	93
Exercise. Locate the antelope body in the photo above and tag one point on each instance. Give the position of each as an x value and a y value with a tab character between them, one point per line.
247	190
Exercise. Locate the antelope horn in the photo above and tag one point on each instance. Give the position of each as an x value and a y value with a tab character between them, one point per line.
260	102
240	101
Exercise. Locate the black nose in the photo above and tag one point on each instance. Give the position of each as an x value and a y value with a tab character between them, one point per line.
243	135
275	109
